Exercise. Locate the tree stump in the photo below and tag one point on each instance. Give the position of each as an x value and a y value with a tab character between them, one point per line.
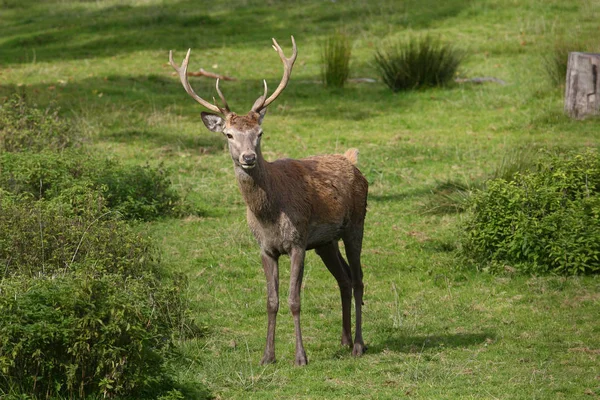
582	92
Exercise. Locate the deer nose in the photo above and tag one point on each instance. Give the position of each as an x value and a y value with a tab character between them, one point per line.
249	158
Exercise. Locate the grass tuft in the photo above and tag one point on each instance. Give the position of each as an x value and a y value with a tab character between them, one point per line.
416	63
335	60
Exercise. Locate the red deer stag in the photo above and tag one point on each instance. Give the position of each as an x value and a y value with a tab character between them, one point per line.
294	206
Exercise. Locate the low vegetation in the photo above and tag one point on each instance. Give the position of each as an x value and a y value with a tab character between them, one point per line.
99	260
24	127
86	308
335	59
543	221
417	62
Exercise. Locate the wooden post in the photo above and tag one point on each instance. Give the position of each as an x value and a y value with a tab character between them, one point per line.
582	92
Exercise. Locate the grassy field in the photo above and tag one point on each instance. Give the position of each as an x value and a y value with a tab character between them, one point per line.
435	329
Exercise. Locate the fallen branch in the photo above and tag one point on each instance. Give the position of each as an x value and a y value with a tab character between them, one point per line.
480	80
208	74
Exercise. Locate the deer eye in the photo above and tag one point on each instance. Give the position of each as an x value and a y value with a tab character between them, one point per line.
229	136
260	133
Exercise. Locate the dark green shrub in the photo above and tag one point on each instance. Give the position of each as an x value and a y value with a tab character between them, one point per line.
547	220
85	307
335	60
81	334
417	63
26	127
136	192
45	237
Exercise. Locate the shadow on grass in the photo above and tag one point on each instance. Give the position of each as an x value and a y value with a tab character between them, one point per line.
53	30
205	143
163	93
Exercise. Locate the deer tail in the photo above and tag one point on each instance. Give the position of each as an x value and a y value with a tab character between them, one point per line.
352	155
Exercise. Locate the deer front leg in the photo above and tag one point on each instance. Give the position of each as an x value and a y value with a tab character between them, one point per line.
271	268
297	270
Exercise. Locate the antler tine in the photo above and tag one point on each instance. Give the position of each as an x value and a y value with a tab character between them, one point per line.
225	105
182	72
288	63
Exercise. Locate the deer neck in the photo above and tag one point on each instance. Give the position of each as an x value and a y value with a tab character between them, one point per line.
256	188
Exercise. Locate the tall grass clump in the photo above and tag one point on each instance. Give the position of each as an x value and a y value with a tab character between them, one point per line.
556	59
544	221
417	63
25	127
335	60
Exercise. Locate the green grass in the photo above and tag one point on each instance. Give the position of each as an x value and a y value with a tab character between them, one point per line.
434	329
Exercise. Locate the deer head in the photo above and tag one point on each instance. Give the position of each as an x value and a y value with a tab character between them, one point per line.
243	132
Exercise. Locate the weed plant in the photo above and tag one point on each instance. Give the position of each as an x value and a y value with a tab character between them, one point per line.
46	237
417	63
27	127
335	60
85	307
543	221
136	192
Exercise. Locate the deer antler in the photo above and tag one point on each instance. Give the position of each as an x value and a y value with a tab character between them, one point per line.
288	63
182	72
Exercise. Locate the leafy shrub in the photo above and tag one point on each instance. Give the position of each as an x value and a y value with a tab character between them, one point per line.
45	237
25	127
547	220
84	305
81	334
136	192
335	60
557	57
417	63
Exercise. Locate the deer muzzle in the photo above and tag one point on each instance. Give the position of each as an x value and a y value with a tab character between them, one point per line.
248	160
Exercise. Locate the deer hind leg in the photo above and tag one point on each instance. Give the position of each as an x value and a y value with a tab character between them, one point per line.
353	242
297	270
330	254
271	268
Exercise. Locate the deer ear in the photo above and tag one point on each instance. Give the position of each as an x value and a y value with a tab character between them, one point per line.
261	115
214	122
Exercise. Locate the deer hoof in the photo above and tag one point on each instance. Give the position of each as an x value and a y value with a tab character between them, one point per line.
268	359
359	349
301	359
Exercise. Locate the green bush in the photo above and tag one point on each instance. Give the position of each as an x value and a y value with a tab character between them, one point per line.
136	192
45	237
82	334
547	220
335	60
26	127
85	307
417	63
